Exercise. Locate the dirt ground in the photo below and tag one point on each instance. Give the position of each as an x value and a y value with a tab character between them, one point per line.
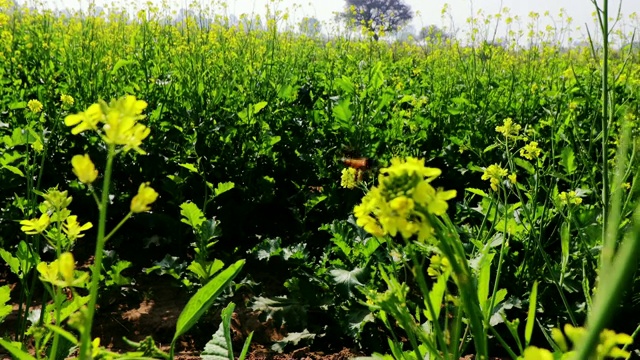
153	309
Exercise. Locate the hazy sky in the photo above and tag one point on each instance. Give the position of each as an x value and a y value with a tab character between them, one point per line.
429	11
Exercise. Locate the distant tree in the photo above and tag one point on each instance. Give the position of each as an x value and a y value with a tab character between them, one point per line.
378	16
310	26
433	34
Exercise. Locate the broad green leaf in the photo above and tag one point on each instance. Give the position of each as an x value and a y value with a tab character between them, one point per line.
13	262
477	192
342	111
224	187
220	346
16	351
14	170
525	165
347	279
568	160
202	300
190	167
490	147
346	85
259	106
64	333
17	105
192	215
311	203
531	316
119	64
292	338
484	279
436	295
274	140
5	296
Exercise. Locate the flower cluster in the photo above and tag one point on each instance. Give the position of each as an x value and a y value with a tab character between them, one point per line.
403	200
119	121
509	129
607	346
531	151
349	178
570	197
66	100
54	210
495	174
35	106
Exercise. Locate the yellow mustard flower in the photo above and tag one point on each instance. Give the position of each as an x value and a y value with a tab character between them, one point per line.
494	173
569	198
121	126
35	226
402	200
508	128
512	178
146	196
348	178
573	106
35	106
607	344
438	265
87	120
534	353
66	100
84	169
531	151
73	229
61	272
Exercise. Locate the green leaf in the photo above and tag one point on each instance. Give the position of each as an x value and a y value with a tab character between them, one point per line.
14	170
292	338
119	64
259	106
245	347
568	160
436	295
528	328
490	147
5	296
16	105
190	167
220	346
564	243
477	192
346	85
202	300
223	188
342	111
347	279
64	333
192	215
484	279
18	353
13	262
525	165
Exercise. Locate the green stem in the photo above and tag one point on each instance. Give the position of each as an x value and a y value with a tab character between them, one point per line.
85	345
610	291
609	243
106	238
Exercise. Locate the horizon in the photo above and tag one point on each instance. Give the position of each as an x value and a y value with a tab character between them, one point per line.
552	14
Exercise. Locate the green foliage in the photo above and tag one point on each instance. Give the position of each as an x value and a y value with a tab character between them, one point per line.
220	346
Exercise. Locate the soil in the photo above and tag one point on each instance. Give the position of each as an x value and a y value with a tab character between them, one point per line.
152	308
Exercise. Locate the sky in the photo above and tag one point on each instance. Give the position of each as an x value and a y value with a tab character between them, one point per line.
428	11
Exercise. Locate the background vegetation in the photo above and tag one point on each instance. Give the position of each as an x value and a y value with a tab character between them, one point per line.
249	121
